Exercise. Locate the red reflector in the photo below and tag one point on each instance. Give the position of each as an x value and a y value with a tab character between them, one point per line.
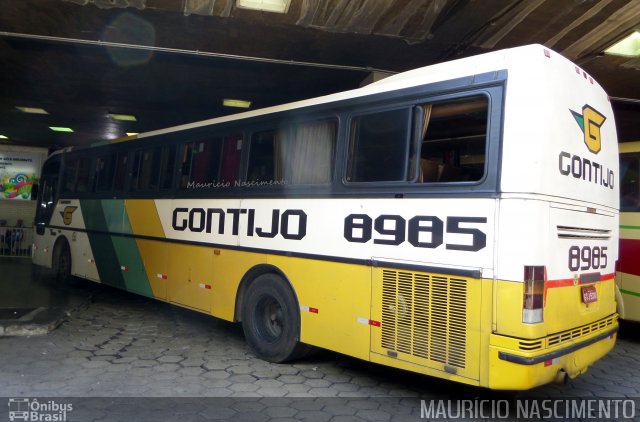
548	362
374	323
207	286
313	310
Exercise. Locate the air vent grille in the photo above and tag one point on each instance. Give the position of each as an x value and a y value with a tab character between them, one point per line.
425	316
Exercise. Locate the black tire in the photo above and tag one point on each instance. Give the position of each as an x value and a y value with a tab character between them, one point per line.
271	320
62	262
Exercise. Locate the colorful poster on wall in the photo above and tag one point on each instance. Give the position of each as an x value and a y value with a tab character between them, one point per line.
19	171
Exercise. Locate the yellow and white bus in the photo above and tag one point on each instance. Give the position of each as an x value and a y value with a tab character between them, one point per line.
628	275
458	220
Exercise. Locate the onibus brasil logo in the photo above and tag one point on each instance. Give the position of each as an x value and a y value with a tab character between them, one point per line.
590	121
22	409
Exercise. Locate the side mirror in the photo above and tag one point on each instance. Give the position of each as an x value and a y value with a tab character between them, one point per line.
34	191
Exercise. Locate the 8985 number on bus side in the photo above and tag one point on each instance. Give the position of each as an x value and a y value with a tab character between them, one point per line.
421	231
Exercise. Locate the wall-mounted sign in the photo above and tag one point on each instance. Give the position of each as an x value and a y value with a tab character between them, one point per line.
19	171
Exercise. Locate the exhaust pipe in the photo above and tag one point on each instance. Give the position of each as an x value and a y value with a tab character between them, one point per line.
561	377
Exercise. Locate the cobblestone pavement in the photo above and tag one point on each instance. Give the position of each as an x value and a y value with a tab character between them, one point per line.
123	345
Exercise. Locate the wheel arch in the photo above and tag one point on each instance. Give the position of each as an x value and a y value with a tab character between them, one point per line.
619	302
249	277
60	240
58	246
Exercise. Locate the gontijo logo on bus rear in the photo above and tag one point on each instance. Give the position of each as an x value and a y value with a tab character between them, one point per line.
589	121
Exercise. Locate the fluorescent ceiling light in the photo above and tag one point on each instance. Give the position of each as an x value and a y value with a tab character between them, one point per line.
278	6
123	117
4	138
228	102
132	133
32	110
628	47
60	129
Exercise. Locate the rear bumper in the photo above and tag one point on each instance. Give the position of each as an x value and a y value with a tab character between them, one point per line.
512	368
523	360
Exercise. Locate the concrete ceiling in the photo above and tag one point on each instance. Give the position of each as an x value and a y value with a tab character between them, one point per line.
173	61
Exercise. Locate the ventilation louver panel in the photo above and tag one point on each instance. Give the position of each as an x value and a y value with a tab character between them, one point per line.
425	316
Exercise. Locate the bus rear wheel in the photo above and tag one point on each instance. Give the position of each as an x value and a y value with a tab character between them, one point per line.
62	261
271	320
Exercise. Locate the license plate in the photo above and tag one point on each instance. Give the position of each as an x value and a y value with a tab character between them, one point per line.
589	294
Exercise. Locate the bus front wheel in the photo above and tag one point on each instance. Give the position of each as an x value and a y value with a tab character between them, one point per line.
271	319
62	261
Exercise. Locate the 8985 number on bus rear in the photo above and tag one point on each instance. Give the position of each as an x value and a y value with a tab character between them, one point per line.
587	257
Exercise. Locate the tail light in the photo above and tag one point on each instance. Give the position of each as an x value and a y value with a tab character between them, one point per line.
533	297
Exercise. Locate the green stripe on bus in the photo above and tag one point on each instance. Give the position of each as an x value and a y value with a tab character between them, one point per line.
126	249
630	227
115	215
101	245
629	292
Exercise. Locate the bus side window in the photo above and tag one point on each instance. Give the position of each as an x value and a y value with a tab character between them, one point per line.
630	182
146	169
231	153
82	176
454	140
200	163
69	176
379	146
120	171
265	164
167	164
76	175
103	173
307	157
298	154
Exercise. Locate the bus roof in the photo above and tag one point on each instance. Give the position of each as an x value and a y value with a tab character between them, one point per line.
492	61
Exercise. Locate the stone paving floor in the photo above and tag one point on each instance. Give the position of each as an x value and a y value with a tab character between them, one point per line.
125	346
